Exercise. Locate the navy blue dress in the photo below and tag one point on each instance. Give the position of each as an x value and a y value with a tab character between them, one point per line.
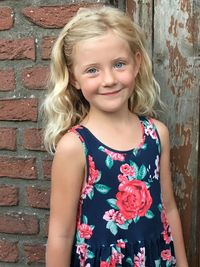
121	219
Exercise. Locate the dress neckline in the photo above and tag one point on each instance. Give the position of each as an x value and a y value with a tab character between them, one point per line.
136	148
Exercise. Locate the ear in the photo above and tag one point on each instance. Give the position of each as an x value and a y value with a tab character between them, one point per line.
137	61
73	81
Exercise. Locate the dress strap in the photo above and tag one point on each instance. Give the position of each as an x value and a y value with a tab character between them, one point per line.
150	129
77	130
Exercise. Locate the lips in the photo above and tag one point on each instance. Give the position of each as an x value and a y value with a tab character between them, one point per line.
111	92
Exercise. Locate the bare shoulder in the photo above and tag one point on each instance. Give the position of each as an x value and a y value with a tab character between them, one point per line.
69	144
69	152
162	131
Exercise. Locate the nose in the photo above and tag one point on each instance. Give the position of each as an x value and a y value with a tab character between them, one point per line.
109	78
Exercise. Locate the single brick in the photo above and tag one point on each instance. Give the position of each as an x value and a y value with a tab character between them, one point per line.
18	109
9	195
6	18
35	78
8	138
17	49
7	80
33	139
8	251
38	197
52	16
17	168
18	224
47	169
35	253
47	44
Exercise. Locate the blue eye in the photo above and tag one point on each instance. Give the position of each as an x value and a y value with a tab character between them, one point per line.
119	65
92	71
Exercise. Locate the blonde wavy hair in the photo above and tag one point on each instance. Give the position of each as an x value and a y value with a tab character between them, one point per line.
65	106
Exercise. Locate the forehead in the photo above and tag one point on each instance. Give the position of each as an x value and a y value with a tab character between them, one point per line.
105	46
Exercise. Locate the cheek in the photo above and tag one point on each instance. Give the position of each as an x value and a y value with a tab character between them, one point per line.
128	79
89	85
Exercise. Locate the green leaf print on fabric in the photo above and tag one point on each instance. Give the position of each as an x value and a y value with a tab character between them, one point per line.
85	219
135	150
142	172
103	189
79	239
147	185
90	254
91	194
125	225
112	202
85	149
130	261
157	263
149	214
160	207
109	162
101	148
168	264
98	178
136	219
111	156
112	227
144	147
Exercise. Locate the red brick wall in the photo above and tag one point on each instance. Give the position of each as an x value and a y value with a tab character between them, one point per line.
27	32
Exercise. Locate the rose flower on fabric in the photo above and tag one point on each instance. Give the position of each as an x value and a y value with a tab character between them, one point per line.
85	231
166	255
133	199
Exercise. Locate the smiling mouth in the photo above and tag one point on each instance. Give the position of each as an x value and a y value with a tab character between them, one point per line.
111	92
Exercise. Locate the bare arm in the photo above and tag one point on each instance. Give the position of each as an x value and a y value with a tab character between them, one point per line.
168	196
67	179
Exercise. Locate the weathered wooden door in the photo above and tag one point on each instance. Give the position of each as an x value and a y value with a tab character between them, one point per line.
172	31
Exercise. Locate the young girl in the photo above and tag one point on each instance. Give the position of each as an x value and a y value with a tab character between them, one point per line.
112	202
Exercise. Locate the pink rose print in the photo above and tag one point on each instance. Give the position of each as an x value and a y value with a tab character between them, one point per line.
127	170
109	215
93	176
122	178
167	231
139	260
93	173
108	264
86	190
157	170
85	231
119	218
114	216
164	218
166	236
133	199
149	130
113	155
121	243
116	257
104	264
166	255
82	251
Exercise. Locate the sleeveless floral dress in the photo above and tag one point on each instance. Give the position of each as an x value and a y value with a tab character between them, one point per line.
121	219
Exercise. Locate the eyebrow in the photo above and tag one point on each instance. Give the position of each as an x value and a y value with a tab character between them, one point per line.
94	64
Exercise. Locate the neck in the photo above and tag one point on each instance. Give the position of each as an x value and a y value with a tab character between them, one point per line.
111	120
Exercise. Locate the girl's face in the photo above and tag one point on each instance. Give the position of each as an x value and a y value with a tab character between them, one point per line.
104	69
